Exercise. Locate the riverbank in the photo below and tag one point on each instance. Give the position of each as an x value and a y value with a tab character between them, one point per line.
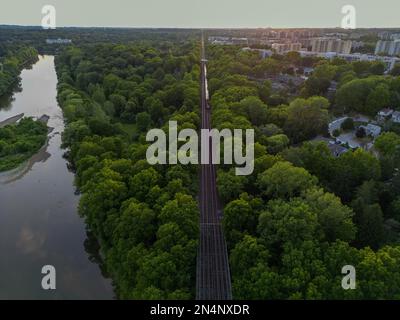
17	173
11	120
12	64
39	221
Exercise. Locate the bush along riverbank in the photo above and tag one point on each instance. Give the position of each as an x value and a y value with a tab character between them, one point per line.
12	61
20	141
145	217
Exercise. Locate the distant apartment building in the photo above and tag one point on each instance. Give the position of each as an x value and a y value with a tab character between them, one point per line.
228	40
58	41
336	35
281	48
219	40
240	41
306	42
387	35
331	45
389	62
382	47
391	48
357	45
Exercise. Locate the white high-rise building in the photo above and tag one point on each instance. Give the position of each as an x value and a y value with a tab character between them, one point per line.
382	47
395	48
395	36
331	45
286	47
391	48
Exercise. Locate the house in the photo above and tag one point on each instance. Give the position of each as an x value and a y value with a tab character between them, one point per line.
336	149
385	114
263	52
308	71
333	87
372	130
396	116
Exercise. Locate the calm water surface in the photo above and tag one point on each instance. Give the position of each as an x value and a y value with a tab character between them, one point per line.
39	222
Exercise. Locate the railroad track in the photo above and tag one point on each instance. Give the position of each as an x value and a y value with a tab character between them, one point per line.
213	281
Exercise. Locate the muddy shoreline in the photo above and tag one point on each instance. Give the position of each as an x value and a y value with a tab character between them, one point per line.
11	120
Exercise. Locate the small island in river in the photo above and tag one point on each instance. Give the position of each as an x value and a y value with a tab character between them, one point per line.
20	141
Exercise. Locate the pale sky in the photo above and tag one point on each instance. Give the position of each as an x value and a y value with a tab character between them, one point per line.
205	13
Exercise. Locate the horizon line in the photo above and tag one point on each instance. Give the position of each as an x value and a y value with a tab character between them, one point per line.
193	28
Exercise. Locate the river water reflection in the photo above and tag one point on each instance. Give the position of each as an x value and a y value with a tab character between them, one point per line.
39	223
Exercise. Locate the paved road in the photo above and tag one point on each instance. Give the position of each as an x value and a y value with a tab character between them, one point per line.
213	275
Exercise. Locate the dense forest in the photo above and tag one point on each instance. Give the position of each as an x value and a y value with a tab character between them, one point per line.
145	217
304	214
18	142
36	36
290	226
13	58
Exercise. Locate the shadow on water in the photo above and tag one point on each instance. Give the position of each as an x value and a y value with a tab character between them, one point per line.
7	100
92	247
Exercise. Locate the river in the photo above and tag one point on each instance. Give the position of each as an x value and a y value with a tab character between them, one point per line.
39	222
